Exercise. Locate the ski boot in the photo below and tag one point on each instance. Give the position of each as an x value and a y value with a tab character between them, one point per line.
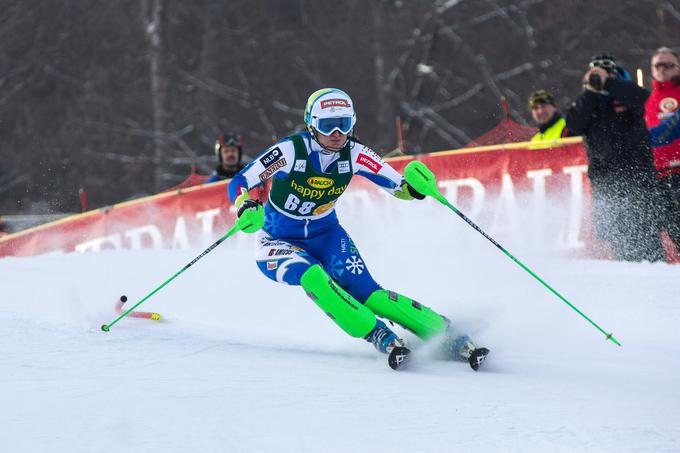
388	342
383	338
461	348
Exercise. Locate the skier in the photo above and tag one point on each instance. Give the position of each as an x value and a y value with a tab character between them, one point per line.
302	242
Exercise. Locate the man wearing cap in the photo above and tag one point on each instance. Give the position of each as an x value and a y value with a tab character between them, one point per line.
663	120
609	113
551	125
229	151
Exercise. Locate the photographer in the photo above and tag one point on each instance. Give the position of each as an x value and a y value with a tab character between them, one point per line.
609	113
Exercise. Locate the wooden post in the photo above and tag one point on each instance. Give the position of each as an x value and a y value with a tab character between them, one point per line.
400	135
83	199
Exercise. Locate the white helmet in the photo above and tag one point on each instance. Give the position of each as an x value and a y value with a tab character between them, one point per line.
329	110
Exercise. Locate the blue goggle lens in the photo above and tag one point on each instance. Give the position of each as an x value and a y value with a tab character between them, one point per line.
329	125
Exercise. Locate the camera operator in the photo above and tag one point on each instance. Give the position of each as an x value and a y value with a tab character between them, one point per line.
609	113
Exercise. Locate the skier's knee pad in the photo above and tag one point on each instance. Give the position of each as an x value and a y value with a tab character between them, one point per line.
419	319
340	306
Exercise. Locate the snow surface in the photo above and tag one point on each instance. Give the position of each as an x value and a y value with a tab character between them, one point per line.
242	364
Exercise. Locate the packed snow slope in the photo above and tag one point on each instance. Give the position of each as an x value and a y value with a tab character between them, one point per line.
242	364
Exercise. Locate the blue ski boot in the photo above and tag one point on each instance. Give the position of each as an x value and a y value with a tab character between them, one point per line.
461	348
389	343
383	338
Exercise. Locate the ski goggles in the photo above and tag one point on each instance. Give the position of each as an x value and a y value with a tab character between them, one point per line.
230	140
607	65
327	126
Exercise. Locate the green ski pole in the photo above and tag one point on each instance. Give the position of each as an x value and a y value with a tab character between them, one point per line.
423	180
237	227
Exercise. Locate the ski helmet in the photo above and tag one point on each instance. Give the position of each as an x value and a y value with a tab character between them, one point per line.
607	62
329	110
228	139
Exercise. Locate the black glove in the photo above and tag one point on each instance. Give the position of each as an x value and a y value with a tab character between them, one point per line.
250	212
414	193
248	204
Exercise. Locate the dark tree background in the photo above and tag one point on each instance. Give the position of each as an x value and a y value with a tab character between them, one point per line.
121	98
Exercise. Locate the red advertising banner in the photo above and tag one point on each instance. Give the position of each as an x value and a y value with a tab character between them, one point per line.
523	193
168	220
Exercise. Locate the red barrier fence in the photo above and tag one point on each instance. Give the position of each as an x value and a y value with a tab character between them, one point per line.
520	191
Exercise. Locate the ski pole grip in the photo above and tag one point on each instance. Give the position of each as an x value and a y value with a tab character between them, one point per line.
423	180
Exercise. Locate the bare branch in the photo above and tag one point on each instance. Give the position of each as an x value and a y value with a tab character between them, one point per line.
668	6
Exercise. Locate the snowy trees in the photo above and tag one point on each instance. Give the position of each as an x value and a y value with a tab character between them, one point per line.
120	98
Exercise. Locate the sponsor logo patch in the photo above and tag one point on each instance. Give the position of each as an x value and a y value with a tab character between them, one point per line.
355	265
668	105
279	252
300	165
369	163
306	192
334	103
271	265
352	247
323	208
316	194
340	294
272	156
272	169
343	166
319	182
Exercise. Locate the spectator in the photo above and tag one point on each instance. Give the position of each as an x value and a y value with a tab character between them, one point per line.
551	125
662	116
229	151
609	113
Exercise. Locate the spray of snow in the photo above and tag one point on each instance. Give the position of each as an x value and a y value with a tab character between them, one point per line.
244	364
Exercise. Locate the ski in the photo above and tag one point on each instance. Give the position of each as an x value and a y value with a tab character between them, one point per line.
137	314
398	358
477	357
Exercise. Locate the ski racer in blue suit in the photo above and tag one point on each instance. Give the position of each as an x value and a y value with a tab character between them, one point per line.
302	243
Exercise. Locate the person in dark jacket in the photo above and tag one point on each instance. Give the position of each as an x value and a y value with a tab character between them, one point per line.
229	151
609	113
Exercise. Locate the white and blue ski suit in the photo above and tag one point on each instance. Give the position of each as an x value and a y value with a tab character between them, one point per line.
301	226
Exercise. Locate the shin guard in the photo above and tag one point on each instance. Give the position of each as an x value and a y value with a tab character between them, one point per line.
419	319
338	304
